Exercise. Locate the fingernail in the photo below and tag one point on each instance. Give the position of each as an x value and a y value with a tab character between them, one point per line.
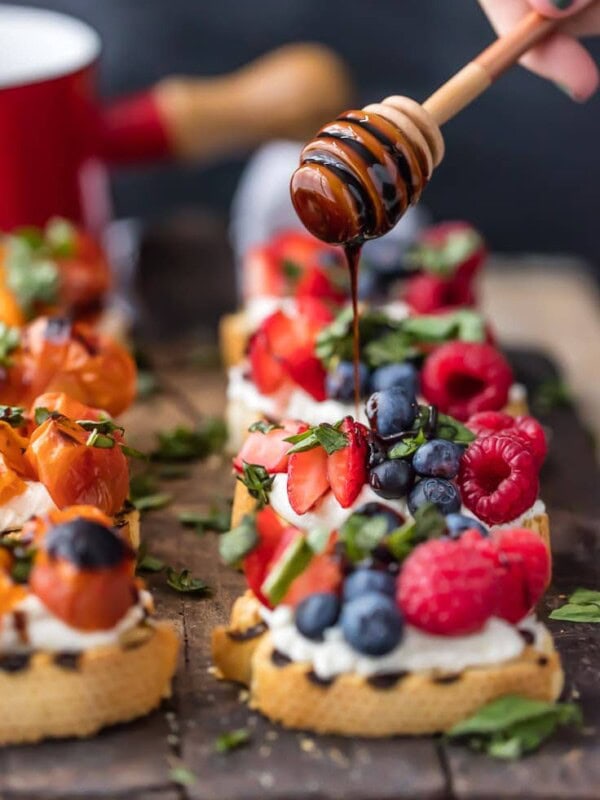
562	5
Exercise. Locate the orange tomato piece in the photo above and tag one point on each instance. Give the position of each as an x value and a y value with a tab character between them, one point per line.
86	599
75	473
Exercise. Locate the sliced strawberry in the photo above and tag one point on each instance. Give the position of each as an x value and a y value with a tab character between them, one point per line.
305	369
315	311
307	478
316	284
269	450
323	574
267	371
262	275
347	468
270	530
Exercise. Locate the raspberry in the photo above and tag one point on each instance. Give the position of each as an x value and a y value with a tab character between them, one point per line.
462	378
525	428
485	422
523	568
447	588
498	478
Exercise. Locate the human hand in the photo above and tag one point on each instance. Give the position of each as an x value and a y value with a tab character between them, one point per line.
560	58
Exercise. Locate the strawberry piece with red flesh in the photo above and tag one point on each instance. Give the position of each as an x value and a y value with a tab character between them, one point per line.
307	479
268	450
347	468
270	530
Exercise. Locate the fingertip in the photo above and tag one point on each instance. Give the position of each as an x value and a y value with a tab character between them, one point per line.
568	64
558	8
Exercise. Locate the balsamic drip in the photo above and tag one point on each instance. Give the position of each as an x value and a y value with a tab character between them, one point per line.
14	662
364	206
430	427
67	659
397	155
352	254
527	636
317	680
249	633
387	187
443	679
385	680
280	659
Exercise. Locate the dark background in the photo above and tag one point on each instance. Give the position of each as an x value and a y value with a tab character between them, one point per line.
522	164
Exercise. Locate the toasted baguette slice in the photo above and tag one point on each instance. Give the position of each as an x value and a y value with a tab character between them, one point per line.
233	337
244	504
417	703
56	695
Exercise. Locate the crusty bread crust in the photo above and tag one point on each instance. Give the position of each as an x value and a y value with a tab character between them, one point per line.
233	337
52	698
244	504
418	703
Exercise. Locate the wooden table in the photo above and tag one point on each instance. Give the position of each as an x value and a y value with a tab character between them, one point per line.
136	760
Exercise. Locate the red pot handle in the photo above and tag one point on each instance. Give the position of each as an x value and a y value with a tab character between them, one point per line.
288	93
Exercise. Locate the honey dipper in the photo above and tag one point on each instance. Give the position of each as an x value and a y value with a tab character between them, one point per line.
360	173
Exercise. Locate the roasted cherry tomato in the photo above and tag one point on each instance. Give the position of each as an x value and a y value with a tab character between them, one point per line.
57	356
65	405
85	575
84	274
36	528
75	473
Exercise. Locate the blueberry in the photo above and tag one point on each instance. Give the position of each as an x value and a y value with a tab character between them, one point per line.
392	411
340	381
365	581
372	624
86	544
393	518
377	451
438	491
458	523
316	613
391	479
404	375
438	458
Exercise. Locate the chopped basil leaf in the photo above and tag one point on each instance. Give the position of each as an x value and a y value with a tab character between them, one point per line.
361	534
10	339
443	259
232	740
318	539
329	437
13	415
184	582
513	726
153	502
582	606
97	439
182	776
41	414
451	429
428	523
406	447
102	426
262	426
187	444
147	562
131	452
257	481
217	520
239	541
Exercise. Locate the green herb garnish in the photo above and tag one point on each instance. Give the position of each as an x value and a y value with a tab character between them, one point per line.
428	523
148	563
257	481
329	437
187	444
182	776
361	534
13	415
153	502
262	426
182	581
217	520
239	541
444	259
10	339
231	740
582	606
511	726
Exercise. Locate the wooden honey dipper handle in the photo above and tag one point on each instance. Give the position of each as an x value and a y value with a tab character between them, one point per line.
473	79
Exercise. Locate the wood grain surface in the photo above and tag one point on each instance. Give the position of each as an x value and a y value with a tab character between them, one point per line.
137	760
